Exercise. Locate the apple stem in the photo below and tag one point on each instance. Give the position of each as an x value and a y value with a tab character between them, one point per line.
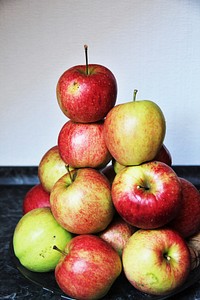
57	249
69	172
86	58
134	95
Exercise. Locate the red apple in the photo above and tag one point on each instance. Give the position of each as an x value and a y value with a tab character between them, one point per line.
51	168
147	196
81	201
187	222
156	261
164	155
34	198
118	233
82	145
88	269
86	93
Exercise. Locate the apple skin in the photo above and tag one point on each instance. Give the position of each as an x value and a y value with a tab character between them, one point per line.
82	145
193	243
34	237
34	198
147	196
187	222
89	268
134	131
82	205
51	168
156	261
117	233
164	155
86	98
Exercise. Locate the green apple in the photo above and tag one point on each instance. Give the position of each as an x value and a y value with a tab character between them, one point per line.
134	131
51	168
34	237
156	261
117	166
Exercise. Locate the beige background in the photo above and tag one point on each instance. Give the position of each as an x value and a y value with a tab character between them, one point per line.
151	45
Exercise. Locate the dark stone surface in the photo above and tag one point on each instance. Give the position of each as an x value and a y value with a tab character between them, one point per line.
14	184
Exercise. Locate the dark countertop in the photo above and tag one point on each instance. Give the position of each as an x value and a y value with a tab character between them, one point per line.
14	184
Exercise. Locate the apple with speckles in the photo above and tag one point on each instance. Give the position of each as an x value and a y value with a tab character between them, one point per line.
118	233
82	145
147	196
134	131
88	268
86	93
81	201
156	261
34	237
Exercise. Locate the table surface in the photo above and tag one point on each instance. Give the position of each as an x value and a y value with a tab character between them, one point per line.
14	184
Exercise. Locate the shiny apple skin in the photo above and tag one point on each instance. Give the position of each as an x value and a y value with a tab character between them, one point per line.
34	237
89	268
83	145
156	261
164	155
84	205
118	233
86	98
134	131
51	168
147	196
187	222
35	197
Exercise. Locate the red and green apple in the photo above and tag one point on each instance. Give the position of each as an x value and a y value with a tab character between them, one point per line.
88	268
81	201
156	261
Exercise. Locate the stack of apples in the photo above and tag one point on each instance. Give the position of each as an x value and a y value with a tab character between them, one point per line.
109	200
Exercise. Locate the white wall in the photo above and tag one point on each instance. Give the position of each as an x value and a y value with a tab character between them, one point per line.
151	45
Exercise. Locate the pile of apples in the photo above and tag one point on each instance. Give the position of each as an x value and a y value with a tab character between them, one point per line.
109	200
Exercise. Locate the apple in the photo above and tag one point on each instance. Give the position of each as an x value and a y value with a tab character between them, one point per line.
86	93
51	168
82	145
117	166
134	131
34	198
88	269
81	201
193	243
117	233
109	172
187	222
34	237
164	155
147	196
156	261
